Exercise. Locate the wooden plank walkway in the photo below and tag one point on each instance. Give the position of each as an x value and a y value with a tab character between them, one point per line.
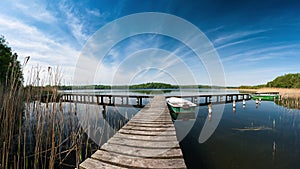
148	140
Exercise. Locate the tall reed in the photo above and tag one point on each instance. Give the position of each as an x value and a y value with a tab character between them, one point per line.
39	130
26	119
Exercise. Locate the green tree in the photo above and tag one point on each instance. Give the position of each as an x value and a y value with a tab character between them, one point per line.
286	81
10	67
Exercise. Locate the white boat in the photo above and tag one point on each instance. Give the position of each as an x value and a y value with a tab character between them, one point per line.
185	108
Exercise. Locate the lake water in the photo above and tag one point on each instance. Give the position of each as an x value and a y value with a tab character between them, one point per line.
260	136
267	136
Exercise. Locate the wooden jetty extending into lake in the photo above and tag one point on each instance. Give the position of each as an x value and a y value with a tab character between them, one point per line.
141	100
148	140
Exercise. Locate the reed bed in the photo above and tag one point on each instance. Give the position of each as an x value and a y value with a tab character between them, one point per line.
38	130
284	92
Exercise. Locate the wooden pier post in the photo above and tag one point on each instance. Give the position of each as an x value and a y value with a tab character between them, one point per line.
109	100
101	100
210	112
104	112
97	98
141	101
210	108
195	100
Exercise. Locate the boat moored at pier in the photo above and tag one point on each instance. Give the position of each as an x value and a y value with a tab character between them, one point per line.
266	96
181	108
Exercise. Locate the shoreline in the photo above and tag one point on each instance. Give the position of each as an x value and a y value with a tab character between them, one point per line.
284	92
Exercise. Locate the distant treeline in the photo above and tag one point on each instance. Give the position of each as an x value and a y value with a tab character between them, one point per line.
152	85
252	87
83	87
285	81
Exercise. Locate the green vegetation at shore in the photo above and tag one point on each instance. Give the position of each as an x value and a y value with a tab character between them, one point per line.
252	87
286	81
138	86
10	67
84	87
154	86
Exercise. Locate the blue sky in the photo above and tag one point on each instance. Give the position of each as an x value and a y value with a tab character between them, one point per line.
255	40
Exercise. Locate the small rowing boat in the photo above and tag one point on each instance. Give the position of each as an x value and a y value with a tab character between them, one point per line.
181	108
265	96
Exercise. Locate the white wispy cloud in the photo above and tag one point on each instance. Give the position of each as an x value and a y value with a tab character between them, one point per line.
94	12
238	42
237	35
262	53
74	22
41	47
35	9
213	30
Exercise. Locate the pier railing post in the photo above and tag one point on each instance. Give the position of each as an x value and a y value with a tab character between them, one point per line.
141	101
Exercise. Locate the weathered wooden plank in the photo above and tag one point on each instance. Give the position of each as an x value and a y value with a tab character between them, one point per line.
153	117
150	125
149	122
148	133
141	128
144	143
142	152
96	164
137	162
160	113
139	137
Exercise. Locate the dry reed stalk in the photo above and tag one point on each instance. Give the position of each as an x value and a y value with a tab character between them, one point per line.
3	155
45	123
24	151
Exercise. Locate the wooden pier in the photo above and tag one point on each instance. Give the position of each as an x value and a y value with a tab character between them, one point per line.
148	140
202	100
141	100
108	100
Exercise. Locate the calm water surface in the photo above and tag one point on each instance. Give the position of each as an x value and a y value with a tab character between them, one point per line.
267	136
252	136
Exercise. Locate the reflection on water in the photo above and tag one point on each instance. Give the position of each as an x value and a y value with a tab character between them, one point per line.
76	125
251	135
291	103
258	136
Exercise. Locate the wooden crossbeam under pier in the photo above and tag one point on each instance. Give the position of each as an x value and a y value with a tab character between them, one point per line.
107	100
148	140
